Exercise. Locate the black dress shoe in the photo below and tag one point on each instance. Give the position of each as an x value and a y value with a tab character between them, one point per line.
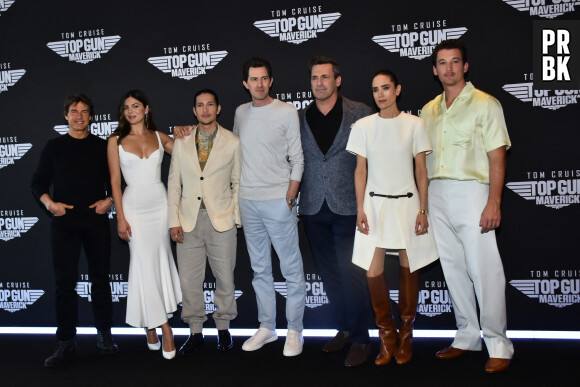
357	355
106	343
224	340
193	343
65	350
337	343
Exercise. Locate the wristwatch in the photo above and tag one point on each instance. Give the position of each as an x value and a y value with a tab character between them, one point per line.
291	202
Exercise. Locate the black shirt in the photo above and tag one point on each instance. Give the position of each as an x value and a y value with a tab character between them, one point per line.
77	170
324	127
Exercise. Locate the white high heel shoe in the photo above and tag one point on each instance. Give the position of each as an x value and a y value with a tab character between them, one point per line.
168	355
155	346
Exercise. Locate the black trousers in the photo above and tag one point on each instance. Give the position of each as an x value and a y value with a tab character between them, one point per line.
331	239
67	238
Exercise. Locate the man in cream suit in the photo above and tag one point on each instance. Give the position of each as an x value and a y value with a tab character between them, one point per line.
203	215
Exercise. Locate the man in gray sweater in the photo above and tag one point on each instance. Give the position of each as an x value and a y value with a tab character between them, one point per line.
272	166
328	206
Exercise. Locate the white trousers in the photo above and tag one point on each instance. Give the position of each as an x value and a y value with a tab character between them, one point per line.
471	265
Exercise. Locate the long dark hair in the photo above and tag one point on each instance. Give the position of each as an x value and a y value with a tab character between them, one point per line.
124	127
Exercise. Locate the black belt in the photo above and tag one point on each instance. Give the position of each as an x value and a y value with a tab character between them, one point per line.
407	195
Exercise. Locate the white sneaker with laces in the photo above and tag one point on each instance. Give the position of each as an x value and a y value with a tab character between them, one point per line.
294	342
261	337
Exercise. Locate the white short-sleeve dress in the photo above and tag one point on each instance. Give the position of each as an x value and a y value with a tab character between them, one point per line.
390	146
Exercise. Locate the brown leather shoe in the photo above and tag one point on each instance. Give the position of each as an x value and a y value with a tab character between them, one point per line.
357	355
495	365
337	343
450	353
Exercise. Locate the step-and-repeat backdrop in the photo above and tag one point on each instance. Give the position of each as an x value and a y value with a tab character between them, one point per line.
171	49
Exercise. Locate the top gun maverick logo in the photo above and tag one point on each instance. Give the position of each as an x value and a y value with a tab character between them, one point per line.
208	296
298	99
559	288
188	61
315	294
417	40
13	224
434	299
544	8
15	296
9	77
119	287
83	46
297	25
559	191
547	99
5	4
11	151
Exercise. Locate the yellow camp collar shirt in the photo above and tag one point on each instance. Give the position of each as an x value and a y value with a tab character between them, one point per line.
462	135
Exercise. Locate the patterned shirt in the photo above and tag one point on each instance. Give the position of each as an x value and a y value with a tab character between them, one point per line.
204	143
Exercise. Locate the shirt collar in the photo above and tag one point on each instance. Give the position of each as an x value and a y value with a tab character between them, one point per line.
465	93
313	109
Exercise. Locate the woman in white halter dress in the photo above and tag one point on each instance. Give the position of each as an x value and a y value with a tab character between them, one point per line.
137	149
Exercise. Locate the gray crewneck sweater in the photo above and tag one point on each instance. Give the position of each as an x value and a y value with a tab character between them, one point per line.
271	149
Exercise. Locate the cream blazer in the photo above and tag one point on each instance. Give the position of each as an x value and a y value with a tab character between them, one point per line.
218	184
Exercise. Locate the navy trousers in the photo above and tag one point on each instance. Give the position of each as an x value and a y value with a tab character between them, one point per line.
331	239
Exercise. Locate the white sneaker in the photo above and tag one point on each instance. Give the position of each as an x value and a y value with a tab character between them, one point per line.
261	337
294	341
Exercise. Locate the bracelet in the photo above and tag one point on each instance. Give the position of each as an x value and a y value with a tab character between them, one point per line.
112	201
422	212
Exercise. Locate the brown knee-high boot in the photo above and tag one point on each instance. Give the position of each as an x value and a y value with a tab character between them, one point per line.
381	301
408	298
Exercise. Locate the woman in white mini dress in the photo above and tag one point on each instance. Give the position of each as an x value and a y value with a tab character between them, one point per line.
392	210
136	149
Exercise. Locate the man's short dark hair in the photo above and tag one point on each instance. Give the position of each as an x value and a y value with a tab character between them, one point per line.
318	60
449	44
206	91
73	99
255	62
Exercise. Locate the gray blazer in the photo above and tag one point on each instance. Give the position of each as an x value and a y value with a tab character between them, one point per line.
330	177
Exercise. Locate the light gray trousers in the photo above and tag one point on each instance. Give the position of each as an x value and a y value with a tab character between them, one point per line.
220	249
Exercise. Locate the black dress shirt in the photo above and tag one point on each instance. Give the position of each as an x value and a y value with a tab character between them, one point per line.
324	127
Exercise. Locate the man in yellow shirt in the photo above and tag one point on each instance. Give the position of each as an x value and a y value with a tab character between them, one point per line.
466	173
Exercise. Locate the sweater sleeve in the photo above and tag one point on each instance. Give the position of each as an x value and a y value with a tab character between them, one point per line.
295	155
42	178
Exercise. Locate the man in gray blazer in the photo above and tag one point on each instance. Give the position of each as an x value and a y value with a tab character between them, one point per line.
328	206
